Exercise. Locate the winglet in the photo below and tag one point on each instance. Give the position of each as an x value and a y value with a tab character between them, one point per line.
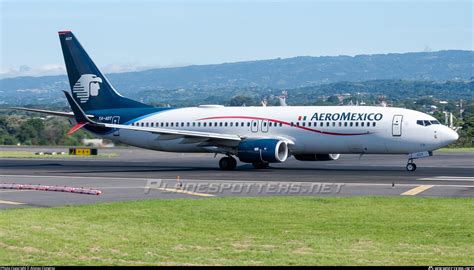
76	127
80	115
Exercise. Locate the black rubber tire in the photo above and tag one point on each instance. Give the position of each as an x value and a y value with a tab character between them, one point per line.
411	167
227	163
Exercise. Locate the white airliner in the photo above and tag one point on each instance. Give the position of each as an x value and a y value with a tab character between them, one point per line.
256	135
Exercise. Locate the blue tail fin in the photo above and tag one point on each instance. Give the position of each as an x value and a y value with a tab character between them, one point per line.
90	88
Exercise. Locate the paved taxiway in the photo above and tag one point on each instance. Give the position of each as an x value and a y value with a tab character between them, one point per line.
125	177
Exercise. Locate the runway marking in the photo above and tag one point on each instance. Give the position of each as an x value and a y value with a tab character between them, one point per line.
447	178
11	202
417	190
5	191
174	190
235	180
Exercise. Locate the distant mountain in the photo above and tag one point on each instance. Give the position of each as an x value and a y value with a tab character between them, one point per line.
297	72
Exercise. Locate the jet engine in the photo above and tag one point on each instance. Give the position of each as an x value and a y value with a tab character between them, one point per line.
262	151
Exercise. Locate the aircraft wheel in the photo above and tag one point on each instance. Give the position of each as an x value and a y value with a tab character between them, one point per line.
260	165
227	163
411	167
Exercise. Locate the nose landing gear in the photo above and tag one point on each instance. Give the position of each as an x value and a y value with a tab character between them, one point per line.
411	166
227	163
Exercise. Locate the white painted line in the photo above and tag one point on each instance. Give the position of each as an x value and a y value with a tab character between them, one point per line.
11	202
447	178
8	190
417	190
228	181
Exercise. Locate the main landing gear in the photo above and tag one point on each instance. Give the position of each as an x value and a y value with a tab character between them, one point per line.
227	163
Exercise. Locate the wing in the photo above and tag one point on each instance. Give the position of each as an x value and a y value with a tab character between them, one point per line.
55	113
205	138
218	139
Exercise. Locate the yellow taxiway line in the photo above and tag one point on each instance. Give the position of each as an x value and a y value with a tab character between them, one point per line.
182	191
417	190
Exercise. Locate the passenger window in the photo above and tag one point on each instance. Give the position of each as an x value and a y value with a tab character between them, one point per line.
351	124
166	124
340	123
146	124
362	124
204	124
368	124
304	124
225	124
220	124
231	124
373	124
345	124
248	124
291	123
327	124
333	124
281	124
357	124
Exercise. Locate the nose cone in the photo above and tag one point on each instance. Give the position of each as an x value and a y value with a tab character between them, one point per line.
450	135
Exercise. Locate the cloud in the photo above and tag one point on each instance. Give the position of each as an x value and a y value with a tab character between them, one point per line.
59	69
24	70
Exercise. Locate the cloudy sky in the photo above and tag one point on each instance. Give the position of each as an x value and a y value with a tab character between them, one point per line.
133	35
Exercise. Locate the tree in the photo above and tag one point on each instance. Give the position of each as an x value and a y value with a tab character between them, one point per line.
242	100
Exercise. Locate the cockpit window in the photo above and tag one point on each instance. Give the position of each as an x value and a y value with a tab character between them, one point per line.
426	123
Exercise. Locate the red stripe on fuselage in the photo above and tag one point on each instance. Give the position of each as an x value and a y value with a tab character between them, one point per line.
284	123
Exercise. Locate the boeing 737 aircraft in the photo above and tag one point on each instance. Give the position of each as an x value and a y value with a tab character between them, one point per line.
256	135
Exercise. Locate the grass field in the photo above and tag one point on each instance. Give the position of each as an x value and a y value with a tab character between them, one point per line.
25	154
244	231
457	150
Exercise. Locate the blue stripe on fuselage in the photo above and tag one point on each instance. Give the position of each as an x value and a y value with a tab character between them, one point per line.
127	116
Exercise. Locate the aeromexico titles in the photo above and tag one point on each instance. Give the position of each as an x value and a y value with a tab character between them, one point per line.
256	135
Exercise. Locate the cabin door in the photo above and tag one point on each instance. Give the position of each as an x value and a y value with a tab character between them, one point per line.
397	125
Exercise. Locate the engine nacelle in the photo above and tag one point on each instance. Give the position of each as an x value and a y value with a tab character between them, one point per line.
262	150
317	157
